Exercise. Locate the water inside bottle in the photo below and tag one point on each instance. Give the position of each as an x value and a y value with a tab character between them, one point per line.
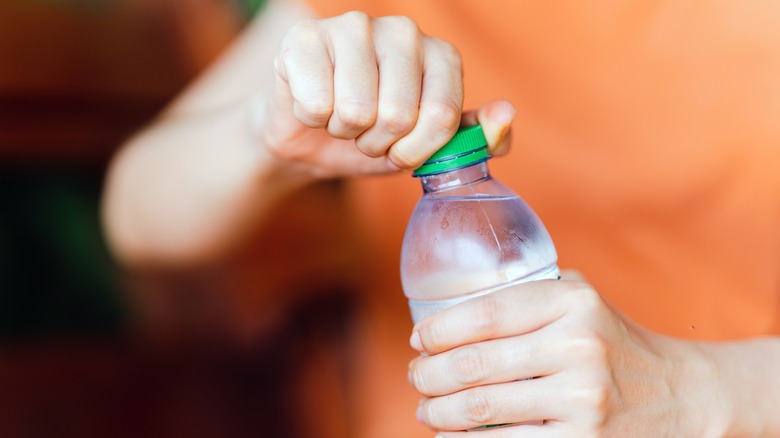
469	246
422	308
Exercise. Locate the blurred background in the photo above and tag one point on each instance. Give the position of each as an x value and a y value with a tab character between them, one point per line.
89	349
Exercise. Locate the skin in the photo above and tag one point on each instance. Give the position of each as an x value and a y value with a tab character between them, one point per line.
297	100
595	372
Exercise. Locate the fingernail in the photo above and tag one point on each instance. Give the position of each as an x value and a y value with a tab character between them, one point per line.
508	114
415	341
500	112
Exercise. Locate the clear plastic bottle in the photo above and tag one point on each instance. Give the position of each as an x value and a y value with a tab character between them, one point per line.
469	234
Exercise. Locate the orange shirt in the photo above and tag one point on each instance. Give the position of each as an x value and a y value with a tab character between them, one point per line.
647	140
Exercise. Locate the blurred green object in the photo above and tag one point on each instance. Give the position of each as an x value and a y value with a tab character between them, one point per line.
253	6
56	276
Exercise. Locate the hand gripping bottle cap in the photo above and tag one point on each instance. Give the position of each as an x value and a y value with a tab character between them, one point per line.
467	147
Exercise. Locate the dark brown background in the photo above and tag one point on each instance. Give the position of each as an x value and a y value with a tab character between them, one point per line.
88	349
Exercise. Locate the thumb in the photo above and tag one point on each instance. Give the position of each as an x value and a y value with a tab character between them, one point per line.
496	118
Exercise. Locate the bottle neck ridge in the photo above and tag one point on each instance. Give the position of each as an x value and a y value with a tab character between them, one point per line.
455	178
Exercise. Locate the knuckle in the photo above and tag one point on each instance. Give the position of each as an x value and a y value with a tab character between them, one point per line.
356	17
278	64
403	159
356	115
489	314
397	120
316	109
444	116
453	54
356	21
477	407
433	334
281	61
369	148
419	381
468	366
584	297
595	400
304	31
449	51
589	349
406	38
401	22
431	415
401	25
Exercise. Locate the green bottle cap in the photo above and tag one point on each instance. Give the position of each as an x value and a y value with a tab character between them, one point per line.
467	147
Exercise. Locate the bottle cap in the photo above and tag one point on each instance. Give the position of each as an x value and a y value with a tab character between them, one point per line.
467	147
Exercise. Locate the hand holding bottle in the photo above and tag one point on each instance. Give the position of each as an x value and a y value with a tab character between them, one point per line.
554	351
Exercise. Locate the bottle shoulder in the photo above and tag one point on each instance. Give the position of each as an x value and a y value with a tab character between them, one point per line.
487	187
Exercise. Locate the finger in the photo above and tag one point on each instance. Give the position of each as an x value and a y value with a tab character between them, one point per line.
502	146
544	430
514	402
355	76
399	56
305	75
339	157
496	118
512	311
489	362
441	103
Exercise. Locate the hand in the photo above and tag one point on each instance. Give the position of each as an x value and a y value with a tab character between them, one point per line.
554	354
357	95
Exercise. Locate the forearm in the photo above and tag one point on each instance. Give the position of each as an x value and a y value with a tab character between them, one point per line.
193	182
724	389
749	374
186	189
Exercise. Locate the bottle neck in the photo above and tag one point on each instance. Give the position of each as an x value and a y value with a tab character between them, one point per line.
455	178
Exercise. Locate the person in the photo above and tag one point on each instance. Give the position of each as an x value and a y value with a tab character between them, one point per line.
647	137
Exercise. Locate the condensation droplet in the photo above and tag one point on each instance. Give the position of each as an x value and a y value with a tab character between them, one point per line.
445	223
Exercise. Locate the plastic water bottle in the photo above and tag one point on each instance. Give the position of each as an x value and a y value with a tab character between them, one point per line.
469	235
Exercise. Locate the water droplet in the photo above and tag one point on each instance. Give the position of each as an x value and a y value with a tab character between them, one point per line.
445	223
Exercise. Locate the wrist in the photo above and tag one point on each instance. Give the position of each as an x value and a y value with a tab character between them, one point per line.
719	395
285	173
747	378
703	405
275	171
